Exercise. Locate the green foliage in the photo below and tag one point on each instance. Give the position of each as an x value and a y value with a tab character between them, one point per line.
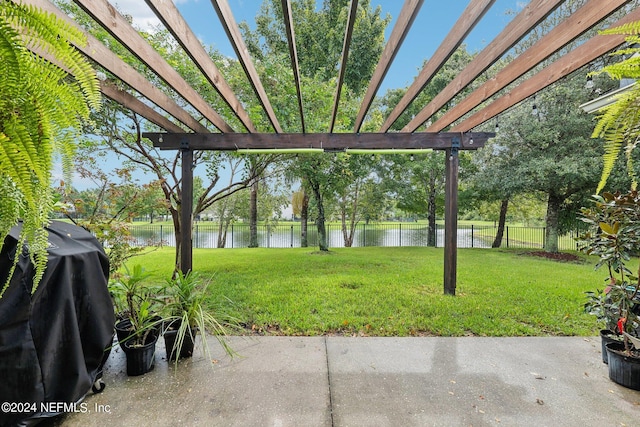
185	305
614	236
619	123
138	302
41	109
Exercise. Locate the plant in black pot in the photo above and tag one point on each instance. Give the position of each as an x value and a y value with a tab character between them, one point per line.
139	325
188	313
614	237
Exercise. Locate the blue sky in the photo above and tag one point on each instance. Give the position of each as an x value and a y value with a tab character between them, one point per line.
435	20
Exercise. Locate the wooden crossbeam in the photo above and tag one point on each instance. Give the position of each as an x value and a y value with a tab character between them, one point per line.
173	21
407	15
233	32
467	21
532	14
343	63
326	141
293	54
571	28
112	21
103	56
134	104
584	54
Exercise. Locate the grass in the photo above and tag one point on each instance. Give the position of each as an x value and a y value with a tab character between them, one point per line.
394	291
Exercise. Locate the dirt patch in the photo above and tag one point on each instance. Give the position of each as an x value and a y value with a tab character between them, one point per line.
559	256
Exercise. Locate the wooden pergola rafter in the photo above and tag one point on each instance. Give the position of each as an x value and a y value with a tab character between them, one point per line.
129	86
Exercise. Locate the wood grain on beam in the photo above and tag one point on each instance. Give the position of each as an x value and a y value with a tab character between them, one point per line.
134	104
99	53
343	62
293	53
574	26
407	15
467	21
112	21
326	141
579	57
175	23
233	33
532	14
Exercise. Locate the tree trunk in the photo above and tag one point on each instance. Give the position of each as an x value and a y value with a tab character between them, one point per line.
253	215
501	222
322	230
431	212
349	232
304	220
551	232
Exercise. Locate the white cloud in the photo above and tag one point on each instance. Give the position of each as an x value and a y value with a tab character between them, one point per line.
142	16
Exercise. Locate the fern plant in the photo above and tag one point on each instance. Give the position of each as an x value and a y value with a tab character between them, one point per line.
42	106
619	123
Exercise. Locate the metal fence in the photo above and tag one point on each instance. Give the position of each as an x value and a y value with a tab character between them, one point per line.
206	235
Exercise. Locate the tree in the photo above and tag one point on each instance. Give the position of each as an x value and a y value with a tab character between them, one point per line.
319	37
549	151
41	110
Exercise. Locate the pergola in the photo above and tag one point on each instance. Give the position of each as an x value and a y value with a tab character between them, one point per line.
184	132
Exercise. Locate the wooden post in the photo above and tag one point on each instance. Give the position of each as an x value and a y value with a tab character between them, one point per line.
186	212
451	217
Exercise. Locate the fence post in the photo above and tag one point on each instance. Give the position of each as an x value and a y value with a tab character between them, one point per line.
400	234
544	236
161	235
231	235
291	235
472	235
507	227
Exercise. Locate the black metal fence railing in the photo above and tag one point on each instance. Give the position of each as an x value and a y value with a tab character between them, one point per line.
208	235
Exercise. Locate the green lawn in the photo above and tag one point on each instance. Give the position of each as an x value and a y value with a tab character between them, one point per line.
393	291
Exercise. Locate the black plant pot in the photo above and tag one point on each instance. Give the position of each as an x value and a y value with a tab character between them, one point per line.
623	369
123	330
141	358
170	337
606	337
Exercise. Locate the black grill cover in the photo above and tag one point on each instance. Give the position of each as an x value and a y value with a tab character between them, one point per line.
52	343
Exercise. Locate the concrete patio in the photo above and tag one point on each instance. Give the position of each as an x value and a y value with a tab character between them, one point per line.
355	381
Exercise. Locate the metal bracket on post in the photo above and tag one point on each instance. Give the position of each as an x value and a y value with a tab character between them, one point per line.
455	145
184	144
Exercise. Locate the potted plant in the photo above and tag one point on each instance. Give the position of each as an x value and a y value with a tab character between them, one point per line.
187	314
614	237
139	325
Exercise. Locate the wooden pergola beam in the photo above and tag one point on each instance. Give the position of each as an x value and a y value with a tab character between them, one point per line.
175	23
103	56
584	54
567	31
112	21
343	62
134	104
407	15
293	54
467	21
233	33
532	14
326	141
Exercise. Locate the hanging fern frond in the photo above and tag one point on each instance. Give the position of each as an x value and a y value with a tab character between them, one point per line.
42	108
619	123
630	28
